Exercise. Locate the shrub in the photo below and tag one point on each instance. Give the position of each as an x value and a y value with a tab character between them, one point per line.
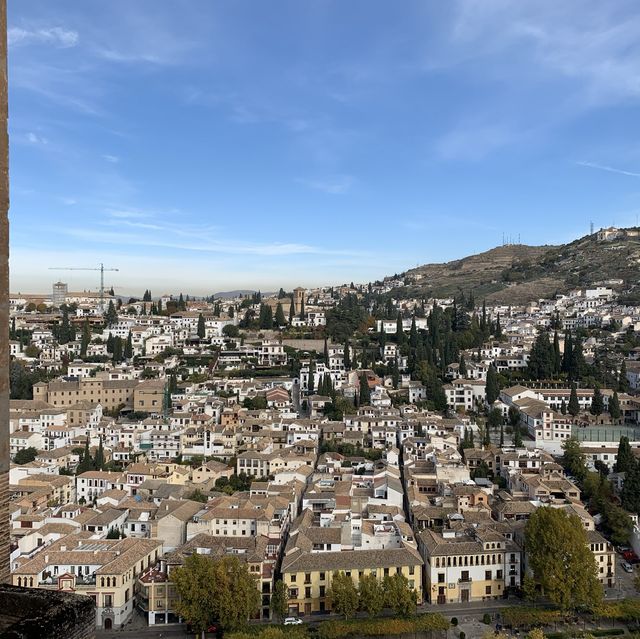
463	635
454	621
486	618
381	627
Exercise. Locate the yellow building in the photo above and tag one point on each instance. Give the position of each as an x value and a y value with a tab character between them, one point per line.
469	565
104	569
308	574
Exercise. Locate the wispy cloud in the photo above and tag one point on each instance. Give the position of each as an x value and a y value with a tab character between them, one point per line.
334	185
34	138
113	159
204	245
55	36
474	141
610	169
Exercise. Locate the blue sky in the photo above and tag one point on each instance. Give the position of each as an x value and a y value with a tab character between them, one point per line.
203	146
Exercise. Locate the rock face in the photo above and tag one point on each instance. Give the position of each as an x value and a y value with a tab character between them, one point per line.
27	613
517	273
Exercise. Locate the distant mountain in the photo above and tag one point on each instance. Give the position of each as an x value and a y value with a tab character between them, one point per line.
232	294
516	274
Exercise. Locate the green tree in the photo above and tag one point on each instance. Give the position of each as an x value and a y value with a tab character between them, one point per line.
630	493
25	456
202	329
292	311
462	367
86	461
347	356
280	318
495	418
492	387
541	358
517	436
563	407
560	558
98	462
343	594
86	338
574	406
614	406
213	590
371	595
625	458
128	347
623	382
365	392
111	316
280	600
573	459
398	595
597	402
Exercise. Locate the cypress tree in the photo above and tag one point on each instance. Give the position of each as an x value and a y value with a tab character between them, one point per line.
462	367
347	356
563	407
181	304
501	435
498	334
202	329
86	462
625	458
483	319
365	392
399	329
557	357
302	313
292	311
567	356
326	352
623	382
597	403
110	343
128	347
517	436
111	316
312	374
614	406
280	318
86	338
413	333
99	460
574	405
492	386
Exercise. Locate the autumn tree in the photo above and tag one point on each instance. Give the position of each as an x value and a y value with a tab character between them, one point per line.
215	590
560	558
371	595
343	594
280	600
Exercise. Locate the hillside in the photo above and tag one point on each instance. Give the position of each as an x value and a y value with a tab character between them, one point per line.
517	274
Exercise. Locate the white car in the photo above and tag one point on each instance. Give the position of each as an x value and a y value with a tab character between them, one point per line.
626	566
292	621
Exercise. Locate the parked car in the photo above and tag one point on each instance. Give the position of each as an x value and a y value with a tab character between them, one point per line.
626	566
292	621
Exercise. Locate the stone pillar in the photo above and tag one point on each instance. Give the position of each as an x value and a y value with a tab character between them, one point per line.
4	301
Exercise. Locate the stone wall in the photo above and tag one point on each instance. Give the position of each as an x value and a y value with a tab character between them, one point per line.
26	613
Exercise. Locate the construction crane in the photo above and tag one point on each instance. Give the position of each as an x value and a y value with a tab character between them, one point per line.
102	269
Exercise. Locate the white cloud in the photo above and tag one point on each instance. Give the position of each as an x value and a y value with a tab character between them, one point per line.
474	141
113	159
610	169
334	185
56	36
33	138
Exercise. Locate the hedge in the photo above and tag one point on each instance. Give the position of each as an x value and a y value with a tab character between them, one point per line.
527	616
381	627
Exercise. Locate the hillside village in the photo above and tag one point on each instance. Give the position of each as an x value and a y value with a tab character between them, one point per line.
317	432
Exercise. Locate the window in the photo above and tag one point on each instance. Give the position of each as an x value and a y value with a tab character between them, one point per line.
487	575
488	590
322	577
293	579
412	570
307	592
440	577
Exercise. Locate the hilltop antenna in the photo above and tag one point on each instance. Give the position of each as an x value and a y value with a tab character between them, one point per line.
591	228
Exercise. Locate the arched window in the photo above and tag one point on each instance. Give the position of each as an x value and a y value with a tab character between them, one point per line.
19	581
102	582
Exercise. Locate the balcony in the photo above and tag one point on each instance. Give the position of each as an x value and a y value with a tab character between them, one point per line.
465	580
